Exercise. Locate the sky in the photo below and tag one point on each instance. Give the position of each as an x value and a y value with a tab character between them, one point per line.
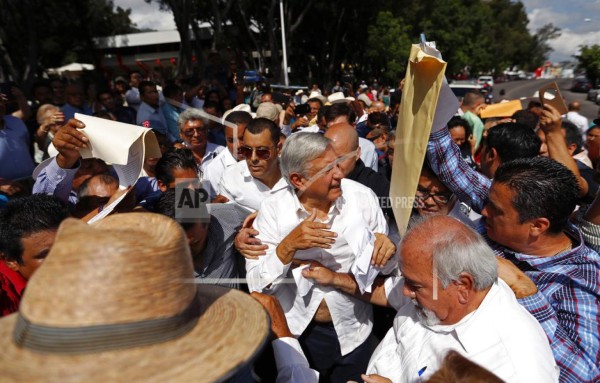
579	21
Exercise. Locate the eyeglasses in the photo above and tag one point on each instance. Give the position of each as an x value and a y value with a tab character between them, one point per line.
190	132
262	153
440	198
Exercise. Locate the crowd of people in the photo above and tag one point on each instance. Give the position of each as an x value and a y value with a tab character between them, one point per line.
496	279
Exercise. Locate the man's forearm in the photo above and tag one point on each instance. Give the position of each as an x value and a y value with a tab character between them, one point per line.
346	283
557	150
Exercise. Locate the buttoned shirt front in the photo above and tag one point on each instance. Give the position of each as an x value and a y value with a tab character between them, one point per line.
213	172
241	188
278	215
499	335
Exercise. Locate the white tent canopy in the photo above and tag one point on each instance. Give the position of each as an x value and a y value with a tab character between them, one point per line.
73	67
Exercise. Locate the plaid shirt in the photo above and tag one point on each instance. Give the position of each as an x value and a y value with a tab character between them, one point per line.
568	298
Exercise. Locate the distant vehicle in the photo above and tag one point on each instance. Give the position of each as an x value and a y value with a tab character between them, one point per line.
581	85
593	94
461	88
485	80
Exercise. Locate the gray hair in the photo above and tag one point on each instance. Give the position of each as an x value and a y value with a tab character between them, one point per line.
299	150
458	250
192	114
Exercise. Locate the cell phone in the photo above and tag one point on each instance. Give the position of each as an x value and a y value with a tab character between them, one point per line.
302	109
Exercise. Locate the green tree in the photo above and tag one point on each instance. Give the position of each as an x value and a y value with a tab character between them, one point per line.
589	60
37	34
540	49
388	46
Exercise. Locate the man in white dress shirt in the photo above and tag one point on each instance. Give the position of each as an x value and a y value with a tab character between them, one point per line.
449	297
337	222
213	173
249	182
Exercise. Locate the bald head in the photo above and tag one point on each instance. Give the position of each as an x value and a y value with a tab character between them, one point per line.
377	106
574	106
343	136
344	140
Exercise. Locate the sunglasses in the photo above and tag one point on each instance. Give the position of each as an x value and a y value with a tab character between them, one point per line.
190	132
262	153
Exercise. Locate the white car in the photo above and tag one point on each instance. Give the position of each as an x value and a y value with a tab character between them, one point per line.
486	80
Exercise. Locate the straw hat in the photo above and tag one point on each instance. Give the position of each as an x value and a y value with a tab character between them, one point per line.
267	110
339	97
111	304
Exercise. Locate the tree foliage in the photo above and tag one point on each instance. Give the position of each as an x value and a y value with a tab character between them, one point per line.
589	60
324	38
38	34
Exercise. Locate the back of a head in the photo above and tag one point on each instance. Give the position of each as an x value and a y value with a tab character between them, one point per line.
527	118
542	187
239	117
574	106
171	90
458	369
166	206
512	140
472	97
456	248
175	159
340	109
105	180
572	136
379	120
24	216
259	125
343	136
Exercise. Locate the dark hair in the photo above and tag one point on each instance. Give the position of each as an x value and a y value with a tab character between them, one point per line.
457	121
175	159
379	118
144	85
259	125
166	206
512	140
211	104
106	179
534	104
239	117
315	99
340	109
22	217
171	90
527	118
543	188
101	92
572	136
322	112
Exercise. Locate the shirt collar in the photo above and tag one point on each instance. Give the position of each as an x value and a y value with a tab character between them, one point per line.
335	208
540	262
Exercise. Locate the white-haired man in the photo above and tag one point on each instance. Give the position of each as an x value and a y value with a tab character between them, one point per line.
449	297
337	222
193	129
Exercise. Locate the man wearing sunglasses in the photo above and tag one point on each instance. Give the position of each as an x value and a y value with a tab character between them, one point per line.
249	182
193	129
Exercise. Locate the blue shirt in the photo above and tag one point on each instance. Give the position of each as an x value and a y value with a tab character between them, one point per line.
152	118
15	158
70	110
171	114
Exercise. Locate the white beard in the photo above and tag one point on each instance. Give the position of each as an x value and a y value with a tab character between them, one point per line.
426	317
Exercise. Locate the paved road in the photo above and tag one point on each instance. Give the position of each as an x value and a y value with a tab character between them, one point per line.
526	88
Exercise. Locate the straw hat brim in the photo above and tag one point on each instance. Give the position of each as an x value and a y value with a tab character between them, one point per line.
231	332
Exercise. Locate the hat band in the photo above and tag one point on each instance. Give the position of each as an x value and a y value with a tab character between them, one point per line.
80	340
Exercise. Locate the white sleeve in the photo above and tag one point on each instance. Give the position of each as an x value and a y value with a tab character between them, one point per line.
292	366
393	291
263	273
